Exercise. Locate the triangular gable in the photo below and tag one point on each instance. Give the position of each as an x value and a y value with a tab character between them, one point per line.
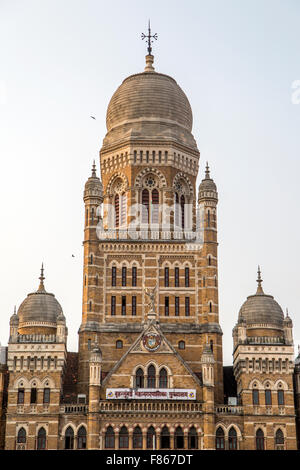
139	347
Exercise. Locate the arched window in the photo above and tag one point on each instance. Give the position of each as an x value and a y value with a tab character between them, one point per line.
177	212
166	276
151	377
21	394
96	280
232	439
119	344
151	438
187	277
208	218
165	438
179	440
69	438
21	438
117	210
268	397
139	378
123	208
155	207
137	438
181	345
33	395
182	204
109	438
255	397
113	276
145	208
209	261
279	440
192	438
46	396
260	440
163	378
81	438
123	438
41	439
210	307
280	396
220	440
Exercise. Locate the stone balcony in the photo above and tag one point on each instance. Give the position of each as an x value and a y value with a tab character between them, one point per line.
229	410
146	407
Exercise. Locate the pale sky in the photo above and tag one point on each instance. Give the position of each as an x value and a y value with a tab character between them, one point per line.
61	61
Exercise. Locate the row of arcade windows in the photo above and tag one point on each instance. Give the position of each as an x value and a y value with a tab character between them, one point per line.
149	381
133	306
268	397
41	442
124	276
33	396
176	277
150	208
259	440
151	438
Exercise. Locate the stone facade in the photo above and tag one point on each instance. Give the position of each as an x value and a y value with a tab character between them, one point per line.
149	370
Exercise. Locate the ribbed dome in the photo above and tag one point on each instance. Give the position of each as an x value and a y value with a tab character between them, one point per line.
149	105
39	307
261	308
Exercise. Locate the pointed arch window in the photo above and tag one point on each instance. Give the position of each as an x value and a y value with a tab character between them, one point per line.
279	440
137	438
123	209
81	438
21	438
165	438
123	438
179	439
151	438
163	378
166	276
220	439
268	397
41	439
151	377
46	396
155	207
109	438
182	206
139	378
280	396
232	439
192	438
187	277
117	210
177	212
260	440
69	438
145	208
21	394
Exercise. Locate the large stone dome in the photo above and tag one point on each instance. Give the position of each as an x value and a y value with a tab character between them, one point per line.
149	105
261	308
40	308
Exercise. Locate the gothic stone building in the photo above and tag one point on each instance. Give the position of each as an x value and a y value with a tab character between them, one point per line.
149	372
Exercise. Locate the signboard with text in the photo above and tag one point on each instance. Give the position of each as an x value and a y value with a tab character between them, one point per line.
150	394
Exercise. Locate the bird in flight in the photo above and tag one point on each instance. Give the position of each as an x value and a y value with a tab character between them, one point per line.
93	117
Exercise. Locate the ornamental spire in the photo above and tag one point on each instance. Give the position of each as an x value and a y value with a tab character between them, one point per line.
259	282
149	58
94	169
207	172
41	278
150	37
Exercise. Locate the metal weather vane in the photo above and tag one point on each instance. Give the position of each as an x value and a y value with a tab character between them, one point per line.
150	38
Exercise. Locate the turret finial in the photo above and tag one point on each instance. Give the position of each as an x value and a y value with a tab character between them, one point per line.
259	282
207	172
94	169
41	278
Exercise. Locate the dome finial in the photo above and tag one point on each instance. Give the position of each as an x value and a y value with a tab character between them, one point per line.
207	173
41	278
259	282
149	58
94	169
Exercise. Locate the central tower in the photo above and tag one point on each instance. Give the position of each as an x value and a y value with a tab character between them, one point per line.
144	235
